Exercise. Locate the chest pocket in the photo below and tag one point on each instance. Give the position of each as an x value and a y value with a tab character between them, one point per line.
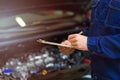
94	3
94	6
113	16
99	11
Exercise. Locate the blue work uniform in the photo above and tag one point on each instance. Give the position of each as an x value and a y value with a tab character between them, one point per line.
104	39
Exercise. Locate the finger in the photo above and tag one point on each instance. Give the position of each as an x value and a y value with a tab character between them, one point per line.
66	42
73	40
74	44
62	49
68	52
72	36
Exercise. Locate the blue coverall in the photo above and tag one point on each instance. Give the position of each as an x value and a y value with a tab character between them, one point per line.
104	39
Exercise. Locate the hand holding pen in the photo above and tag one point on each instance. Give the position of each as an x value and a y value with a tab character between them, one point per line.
77	41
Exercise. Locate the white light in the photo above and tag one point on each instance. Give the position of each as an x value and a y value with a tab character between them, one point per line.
45	55
48	59
38	57
70	13
20	21
50	65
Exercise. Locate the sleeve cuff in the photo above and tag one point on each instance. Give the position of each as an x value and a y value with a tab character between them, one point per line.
92	44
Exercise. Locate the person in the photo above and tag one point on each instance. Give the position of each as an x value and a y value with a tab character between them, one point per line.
102	39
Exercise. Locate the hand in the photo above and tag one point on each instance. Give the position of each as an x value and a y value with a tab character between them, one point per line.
78	41
64	50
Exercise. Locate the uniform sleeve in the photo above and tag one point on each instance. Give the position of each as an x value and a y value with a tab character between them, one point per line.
105	45
86	32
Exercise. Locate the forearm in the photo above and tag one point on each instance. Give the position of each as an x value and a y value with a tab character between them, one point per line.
105	45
